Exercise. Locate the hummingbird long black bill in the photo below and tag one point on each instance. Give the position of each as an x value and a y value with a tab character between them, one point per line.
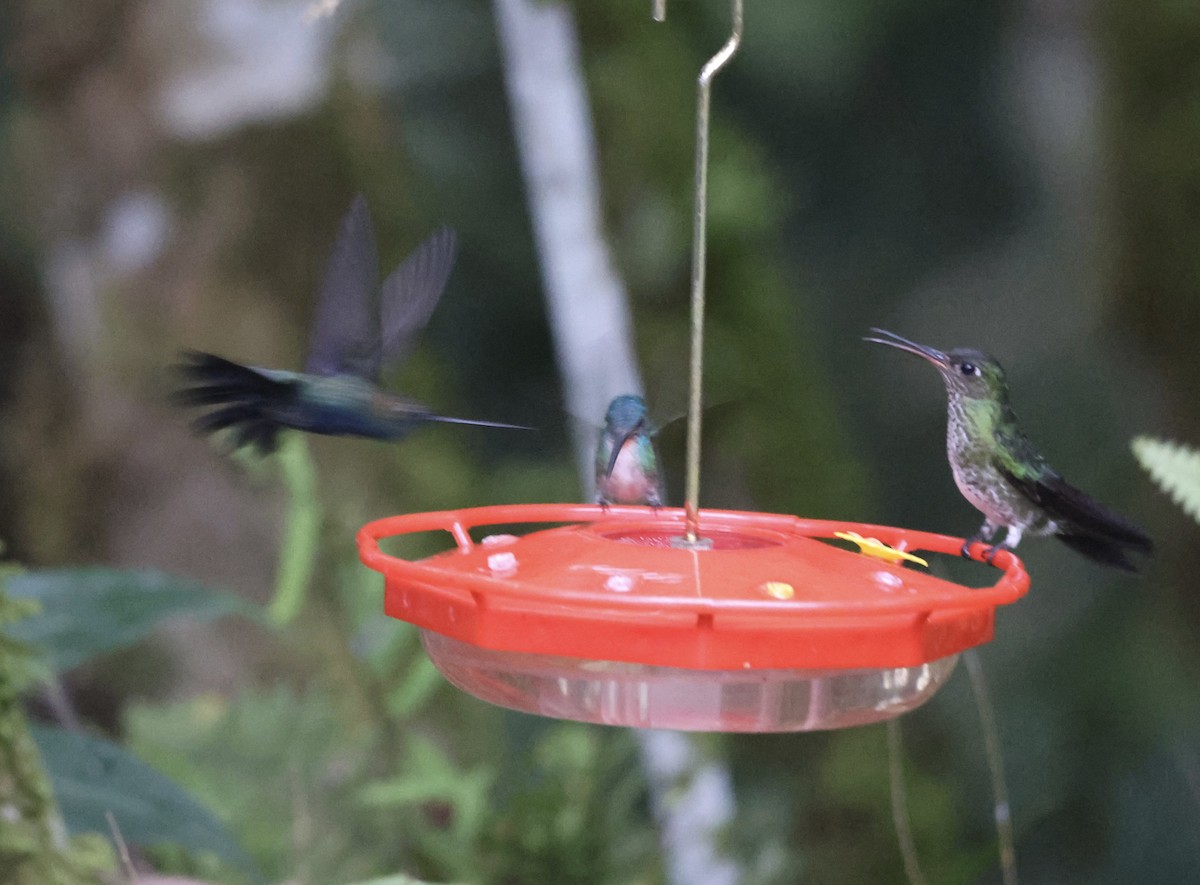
446	419
617	447
891	339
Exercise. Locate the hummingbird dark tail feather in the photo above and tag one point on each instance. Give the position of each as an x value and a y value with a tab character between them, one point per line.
1084	515
1090	528
245	396
1101	550
1083	523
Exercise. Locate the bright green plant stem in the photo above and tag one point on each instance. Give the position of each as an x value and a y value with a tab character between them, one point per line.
300	558
302	530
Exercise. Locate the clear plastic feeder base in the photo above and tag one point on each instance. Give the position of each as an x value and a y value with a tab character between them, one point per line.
649	696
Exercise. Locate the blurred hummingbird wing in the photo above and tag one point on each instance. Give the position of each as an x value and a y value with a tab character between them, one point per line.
710	413
670	439
411	292
345	332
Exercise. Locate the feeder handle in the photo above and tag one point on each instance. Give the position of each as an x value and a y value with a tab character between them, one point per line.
699	235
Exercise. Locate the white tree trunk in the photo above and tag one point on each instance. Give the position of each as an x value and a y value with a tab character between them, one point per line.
589	318
589	313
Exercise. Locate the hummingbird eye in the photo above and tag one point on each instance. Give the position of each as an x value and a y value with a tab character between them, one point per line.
970	369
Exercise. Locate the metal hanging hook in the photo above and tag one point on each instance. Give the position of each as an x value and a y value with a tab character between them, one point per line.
699	217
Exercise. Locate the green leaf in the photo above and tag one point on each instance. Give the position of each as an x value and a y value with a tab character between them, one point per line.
416	687
429	776
92	777
267	762
88	611
1175	468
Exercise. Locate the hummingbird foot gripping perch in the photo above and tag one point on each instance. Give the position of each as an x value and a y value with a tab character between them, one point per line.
984	536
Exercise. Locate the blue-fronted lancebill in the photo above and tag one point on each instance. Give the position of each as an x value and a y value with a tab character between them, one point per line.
356	333
626	461
1002	474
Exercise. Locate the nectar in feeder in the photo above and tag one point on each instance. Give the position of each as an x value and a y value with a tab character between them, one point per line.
605	620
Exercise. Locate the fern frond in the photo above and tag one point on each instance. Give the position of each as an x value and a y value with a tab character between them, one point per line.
1175	468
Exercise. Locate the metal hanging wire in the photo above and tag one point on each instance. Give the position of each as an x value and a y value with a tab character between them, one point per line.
699	218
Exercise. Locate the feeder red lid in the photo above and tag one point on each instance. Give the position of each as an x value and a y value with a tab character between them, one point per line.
610	587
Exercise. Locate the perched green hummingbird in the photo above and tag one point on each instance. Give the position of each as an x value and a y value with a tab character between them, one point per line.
1000	472
626	461
353	338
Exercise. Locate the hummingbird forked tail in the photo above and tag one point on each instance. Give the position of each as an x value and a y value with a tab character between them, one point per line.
246	399
1101	550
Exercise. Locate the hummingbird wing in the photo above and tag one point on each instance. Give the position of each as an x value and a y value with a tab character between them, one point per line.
345	332
1084	523
1077	512
411	292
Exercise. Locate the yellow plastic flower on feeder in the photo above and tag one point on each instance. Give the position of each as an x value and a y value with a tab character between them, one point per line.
878	549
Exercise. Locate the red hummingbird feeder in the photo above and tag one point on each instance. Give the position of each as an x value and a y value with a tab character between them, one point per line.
608	619
687	619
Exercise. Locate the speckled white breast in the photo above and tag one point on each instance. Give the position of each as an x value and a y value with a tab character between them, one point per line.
985	487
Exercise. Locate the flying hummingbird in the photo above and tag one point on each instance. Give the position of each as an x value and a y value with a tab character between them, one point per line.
626	461
1000	472
353	338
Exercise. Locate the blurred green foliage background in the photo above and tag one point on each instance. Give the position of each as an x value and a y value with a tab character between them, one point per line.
1016	176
